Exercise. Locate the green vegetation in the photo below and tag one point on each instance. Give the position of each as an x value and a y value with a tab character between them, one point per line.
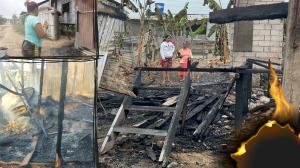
220	30
68	30
2	20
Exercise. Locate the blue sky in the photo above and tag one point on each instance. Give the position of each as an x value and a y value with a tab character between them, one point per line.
9	7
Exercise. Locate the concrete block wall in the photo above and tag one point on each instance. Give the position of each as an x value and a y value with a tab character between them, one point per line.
267	39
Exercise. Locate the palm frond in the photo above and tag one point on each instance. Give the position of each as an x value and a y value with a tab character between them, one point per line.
181	13
150	2
200	30
213	5
213	30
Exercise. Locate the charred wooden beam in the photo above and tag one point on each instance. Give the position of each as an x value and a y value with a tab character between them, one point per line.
186	69
211	115
249	80
229	70
175	120
241	103
159	88
262	107
62	97
257	71
256	12
146	122
137	81
200	107
262	61
150	108
162	122
209	118
111	136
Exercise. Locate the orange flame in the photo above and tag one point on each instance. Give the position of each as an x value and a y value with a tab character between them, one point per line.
284	111
283	114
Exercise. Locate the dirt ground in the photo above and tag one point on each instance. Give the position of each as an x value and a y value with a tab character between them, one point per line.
12	40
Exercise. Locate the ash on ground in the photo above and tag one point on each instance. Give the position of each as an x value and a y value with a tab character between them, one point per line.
76	139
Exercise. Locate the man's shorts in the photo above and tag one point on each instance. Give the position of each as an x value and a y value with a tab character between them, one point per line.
166	63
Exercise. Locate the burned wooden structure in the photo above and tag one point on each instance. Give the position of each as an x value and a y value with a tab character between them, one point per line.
178	112
243	88
43	124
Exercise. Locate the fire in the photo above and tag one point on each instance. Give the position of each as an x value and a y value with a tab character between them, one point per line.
283	114
284	111
240	151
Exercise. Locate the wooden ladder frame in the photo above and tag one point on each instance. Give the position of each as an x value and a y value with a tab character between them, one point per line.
180	111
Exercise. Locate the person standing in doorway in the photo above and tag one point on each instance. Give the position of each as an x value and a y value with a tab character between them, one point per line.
185	55
34	32
167	49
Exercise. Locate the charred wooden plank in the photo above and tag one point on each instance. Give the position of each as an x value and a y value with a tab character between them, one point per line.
156	124
146	103
137	81
144	123
111	136
158	88
150	108
142	131
175	119
62	97
262	107
163	122
209	118
186	69
170	101
211	115
256	12
200	107
241	103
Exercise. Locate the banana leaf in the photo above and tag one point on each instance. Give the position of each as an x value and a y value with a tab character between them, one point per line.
213	29
212	5
201	30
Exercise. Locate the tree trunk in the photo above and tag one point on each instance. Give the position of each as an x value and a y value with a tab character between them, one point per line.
291	79
141	40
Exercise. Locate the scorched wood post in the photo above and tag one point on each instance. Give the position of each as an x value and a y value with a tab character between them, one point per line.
291	73
241	99
137	81
63	88
40	89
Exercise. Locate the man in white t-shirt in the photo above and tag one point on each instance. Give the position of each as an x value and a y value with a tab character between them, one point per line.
167	49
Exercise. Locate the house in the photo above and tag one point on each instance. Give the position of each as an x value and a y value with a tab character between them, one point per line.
261	39
50	15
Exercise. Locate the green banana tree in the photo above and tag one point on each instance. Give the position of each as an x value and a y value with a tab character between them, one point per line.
143	13
220	30
179	24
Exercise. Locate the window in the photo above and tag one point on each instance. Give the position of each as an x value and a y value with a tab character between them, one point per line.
66	7
243	36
